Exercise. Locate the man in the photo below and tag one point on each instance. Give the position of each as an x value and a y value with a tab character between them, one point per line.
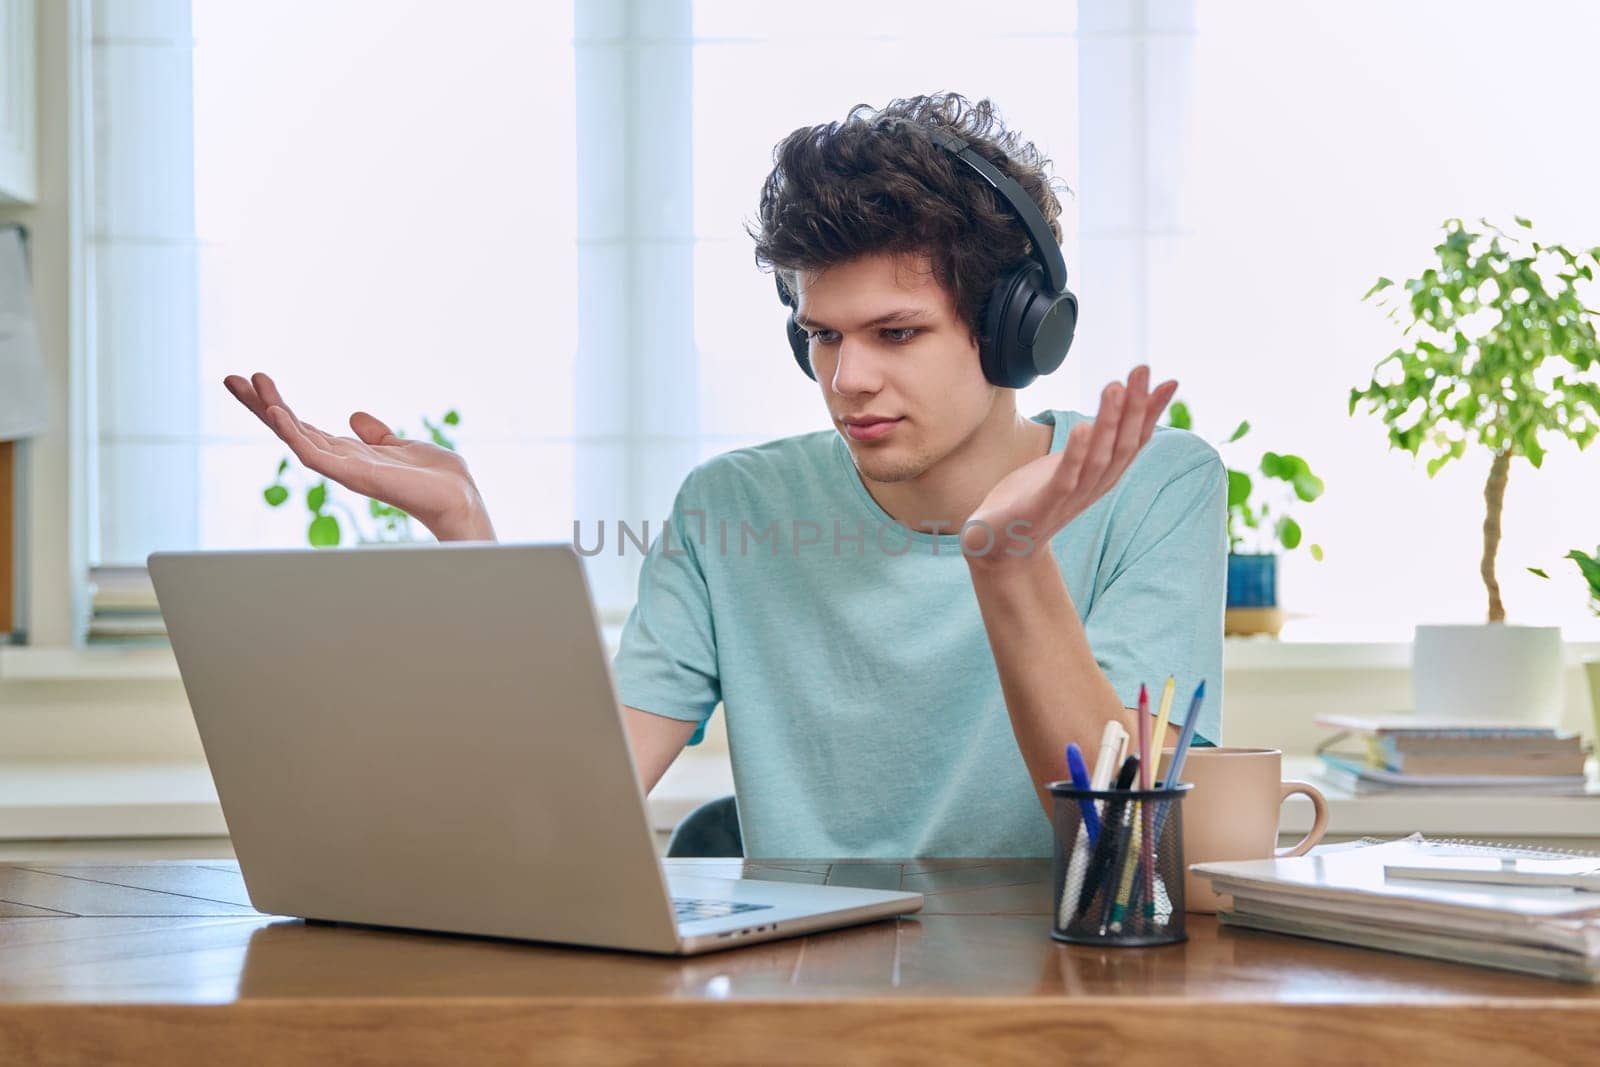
909	692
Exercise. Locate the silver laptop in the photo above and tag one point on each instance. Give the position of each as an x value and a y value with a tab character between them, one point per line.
428	736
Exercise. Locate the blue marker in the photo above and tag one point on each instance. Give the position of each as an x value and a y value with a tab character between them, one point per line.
1080	780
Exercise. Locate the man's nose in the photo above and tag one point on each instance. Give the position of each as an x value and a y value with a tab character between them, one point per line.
856	370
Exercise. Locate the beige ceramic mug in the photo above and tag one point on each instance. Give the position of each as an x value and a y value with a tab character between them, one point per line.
1232	812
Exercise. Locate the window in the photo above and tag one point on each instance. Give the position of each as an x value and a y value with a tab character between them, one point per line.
1330	143
372	201
532	213
762	71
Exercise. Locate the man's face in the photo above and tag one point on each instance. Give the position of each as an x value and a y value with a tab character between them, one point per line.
919	368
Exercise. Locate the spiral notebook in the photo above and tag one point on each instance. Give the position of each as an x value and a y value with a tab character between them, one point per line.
1342	893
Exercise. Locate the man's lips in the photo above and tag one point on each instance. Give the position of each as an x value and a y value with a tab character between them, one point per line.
870	429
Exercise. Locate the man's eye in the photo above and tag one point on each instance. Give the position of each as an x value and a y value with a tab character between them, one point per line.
899	335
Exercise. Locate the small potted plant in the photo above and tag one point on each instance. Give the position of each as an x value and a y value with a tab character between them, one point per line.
390	524
1257	528
1497	343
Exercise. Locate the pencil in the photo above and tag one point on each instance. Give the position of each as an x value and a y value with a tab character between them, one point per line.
1161	725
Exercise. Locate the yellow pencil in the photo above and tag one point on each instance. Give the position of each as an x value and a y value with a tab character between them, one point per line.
1160	734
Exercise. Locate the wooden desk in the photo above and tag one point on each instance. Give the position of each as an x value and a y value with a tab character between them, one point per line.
167	963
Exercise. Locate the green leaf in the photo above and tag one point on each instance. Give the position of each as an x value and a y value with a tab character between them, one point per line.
1289	533
1272	465
316	496
1436	463
283	465
323	531
1524	223
1307	486
1590	568
1238	488
1316	553
1243	428
1529	444
275	494
1381	283
452	417
1537	571
1178	416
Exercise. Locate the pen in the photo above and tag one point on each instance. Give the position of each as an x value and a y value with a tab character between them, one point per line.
1181	753
1112	741
1101	867
1119	910
1123	857
1113	747
1080	780
1186	737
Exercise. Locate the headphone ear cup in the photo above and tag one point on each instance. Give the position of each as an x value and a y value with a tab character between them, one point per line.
1027	327
800	346
1002	364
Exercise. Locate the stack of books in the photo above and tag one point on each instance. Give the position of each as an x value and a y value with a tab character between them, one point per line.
123	607
1379	755
1510	907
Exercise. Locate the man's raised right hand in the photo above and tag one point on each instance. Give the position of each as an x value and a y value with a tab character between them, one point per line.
418	477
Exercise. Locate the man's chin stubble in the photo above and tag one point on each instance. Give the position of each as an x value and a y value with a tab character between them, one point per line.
890	469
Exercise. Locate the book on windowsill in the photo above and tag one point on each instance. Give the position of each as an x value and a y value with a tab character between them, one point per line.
1377	755
123	607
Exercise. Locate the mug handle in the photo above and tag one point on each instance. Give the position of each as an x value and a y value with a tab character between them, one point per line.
1318	827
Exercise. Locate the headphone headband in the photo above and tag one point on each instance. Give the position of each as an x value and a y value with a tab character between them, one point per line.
1045	249
1030	316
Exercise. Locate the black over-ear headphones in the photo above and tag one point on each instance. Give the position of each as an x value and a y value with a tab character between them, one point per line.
1030	316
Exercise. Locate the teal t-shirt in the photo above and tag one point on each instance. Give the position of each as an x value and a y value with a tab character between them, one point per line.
864	711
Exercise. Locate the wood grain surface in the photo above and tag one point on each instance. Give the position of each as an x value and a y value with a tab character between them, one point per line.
166	963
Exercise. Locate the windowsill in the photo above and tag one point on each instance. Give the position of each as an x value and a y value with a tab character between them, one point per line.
111	663
114	800
125	663
129	800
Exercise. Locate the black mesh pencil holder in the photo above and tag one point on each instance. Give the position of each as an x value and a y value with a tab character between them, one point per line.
1118	876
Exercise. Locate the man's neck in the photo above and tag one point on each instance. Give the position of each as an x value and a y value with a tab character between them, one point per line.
944	496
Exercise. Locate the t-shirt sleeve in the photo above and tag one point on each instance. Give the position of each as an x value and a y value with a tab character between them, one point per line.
1161	611
666	661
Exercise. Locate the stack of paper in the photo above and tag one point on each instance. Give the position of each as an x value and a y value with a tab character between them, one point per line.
1346	894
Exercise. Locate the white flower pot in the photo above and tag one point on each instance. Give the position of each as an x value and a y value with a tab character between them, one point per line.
1490	672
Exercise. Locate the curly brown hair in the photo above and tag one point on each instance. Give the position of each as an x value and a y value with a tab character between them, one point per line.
870	185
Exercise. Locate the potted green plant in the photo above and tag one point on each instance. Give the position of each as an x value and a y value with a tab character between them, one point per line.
1480	328
390	524
1258	526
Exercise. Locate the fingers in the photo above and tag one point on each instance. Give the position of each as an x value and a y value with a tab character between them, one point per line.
259	393
1069	469
267	390
1159	399
1103	439
245	393
372	430
1130	427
